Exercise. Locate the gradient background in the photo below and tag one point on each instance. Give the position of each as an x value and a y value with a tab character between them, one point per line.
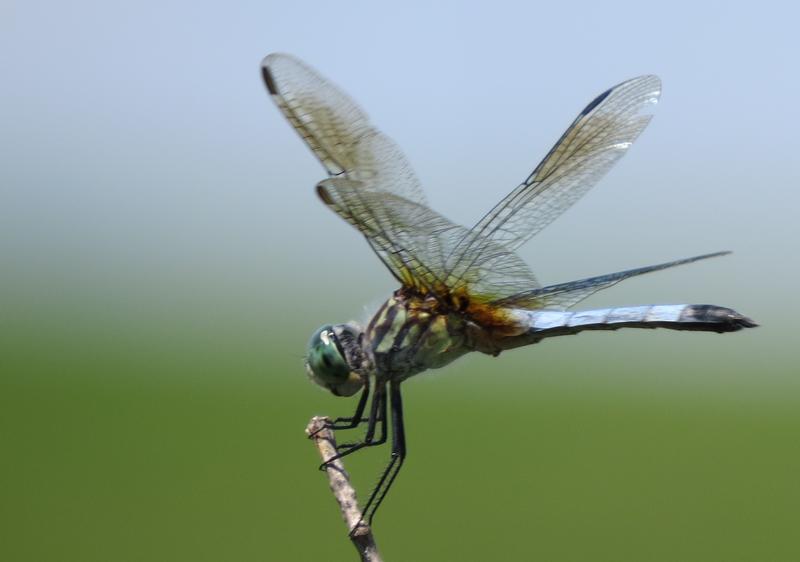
163	262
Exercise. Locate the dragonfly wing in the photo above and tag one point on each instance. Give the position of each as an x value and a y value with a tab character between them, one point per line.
566	295
334	126
497	272
400	231
599	136
360	157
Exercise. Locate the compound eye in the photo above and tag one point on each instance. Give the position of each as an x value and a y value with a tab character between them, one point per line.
325	358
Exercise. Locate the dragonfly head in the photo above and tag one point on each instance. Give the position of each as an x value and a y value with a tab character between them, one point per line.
327	359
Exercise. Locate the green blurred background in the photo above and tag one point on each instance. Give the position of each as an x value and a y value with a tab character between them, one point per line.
163	262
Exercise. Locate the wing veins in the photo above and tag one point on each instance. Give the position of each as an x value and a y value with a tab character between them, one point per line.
615	116
531	187
532	190
565	295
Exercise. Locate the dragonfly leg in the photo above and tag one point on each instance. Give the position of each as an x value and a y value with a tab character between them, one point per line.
355	419
397	458
377	415
369	439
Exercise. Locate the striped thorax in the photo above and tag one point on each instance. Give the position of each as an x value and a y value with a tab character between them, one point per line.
410	334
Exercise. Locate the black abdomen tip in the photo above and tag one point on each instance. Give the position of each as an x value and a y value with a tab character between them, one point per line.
719	318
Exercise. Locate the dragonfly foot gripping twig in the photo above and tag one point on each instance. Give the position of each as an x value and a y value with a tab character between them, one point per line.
343	491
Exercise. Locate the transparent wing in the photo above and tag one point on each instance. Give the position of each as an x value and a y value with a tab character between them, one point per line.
599	136
375	189
401	230
349	147
565	295
333	125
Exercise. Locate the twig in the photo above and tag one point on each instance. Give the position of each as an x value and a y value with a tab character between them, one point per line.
343	491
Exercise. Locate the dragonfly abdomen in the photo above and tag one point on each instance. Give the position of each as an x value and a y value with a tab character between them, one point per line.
698	317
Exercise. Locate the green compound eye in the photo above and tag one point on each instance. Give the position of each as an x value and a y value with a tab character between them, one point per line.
326	362
325	359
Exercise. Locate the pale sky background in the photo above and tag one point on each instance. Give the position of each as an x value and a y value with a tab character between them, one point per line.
141	156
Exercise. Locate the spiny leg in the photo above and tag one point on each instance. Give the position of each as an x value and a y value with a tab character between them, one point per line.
355	420
380	417
398	455
377	415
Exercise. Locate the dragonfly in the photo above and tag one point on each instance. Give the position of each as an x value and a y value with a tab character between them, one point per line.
461	289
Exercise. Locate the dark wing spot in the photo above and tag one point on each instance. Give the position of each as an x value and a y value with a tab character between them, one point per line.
323	194
269	81
595	102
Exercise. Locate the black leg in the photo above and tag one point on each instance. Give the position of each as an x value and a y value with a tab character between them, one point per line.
356	419
398	455
381	418
377	415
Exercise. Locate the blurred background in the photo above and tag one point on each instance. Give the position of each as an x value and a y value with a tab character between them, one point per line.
163	261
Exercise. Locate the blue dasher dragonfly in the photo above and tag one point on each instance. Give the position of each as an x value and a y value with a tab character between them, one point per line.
461	289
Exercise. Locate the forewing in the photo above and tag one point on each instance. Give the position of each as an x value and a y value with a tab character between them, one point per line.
599	136
335	127
350	148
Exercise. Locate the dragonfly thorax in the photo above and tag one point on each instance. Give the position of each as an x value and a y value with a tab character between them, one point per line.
334	359
410	334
